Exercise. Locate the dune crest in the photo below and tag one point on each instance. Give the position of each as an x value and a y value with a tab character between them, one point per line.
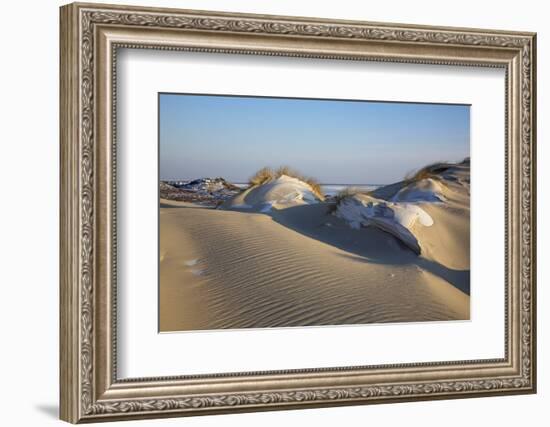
397	208
278	255
290	268
396	219
425	190
280	193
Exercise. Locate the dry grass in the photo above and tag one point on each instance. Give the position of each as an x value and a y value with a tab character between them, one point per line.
316	187
341	195
266	174
345	193
262	176
432	171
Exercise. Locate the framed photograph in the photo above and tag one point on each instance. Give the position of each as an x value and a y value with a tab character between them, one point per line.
267	212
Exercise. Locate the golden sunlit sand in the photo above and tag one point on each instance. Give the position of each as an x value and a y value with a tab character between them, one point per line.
278	256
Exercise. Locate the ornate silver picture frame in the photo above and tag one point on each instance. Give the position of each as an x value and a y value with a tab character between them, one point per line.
91	390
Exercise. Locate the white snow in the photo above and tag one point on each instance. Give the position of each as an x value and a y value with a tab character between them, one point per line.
280	193
394	218
191	262
407	214
268	206
426	190
287	190
356	211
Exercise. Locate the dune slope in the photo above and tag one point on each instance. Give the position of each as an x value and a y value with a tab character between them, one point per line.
299	266
279	193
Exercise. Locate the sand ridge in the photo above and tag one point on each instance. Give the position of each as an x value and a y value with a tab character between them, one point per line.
298	263
296	267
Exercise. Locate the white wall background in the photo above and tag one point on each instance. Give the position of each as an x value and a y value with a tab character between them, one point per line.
29	170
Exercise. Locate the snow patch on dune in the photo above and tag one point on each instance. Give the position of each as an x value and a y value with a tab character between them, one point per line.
288	190
267	206
394	218
280	193
407	214
357	210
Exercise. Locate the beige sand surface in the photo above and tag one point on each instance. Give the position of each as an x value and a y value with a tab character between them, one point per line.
303	266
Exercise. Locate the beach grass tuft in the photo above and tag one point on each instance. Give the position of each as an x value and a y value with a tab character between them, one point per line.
343	194
266	174
433	170
262	176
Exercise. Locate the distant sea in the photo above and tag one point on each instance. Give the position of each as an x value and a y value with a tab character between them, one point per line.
332	189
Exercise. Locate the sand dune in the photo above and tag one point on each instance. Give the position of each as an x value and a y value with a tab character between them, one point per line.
301	265
402	210
281	193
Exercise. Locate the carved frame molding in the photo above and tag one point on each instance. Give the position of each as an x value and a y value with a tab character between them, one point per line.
90	36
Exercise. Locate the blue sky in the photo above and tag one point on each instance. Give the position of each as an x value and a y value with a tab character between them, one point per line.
337	142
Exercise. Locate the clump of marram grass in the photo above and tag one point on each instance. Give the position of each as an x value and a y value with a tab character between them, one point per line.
432	171
343	194
262	176
315	186
266	174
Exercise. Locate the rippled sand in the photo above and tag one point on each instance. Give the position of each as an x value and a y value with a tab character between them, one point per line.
302	266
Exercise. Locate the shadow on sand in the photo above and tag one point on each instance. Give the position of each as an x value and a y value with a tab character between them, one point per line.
369	245
460	279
